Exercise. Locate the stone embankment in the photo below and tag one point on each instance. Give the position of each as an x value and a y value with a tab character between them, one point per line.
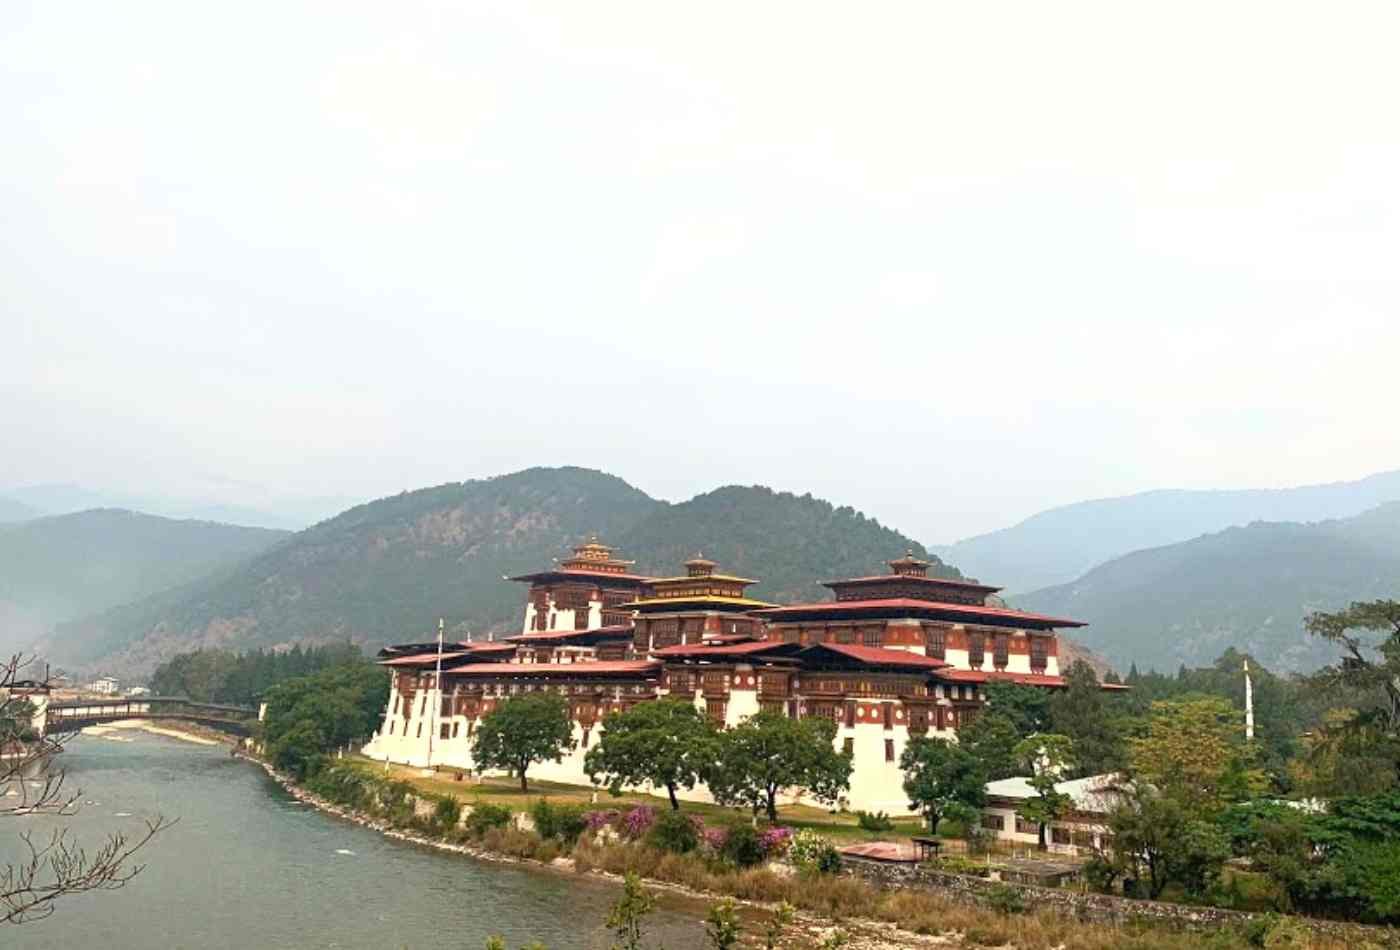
1092	907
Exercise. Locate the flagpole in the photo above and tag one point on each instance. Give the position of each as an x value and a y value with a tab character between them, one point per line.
437	685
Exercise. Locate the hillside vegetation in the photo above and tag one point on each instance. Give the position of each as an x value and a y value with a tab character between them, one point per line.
387	570
55	569
1059	545
1247	588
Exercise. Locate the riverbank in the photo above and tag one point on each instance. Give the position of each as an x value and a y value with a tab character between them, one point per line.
872	916
172	729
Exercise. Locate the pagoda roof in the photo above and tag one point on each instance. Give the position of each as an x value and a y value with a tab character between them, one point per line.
705	651
912	607
582	575
457	651
592	668
874	656
915	578
558	636
1000	676
698	602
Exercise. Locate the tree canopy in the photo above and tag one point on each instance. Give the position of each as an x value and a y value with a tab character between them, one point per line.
769	752
667	743
942	779
521	731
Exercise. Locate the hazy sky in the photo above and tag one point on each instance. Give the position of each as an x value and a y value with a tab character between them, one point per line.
950	263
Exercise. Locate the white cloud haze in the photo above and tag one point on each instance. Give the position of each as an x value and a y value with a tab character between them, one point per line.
949	263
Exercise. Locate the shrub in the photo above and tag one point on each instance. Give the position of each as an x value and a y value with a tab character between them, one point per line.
874	821
1005	899
597	820
673	832
559	822
742	846
809	851
446	813
485	816
713	838
637	822
776	841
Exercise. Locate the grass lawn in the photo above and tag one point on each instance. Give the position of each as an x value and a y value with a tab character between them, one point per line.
840	827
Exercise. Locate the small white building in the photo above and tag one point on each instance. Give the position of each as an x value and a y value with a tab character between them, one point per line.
138	691
1082	830
104	685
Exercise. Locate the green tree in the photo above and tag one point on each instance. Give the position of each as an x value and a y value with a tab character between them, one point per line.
991	739
1193	750
668	743
1081	712
314	715
1048	758
769	752
627	912
1028	707
1157	840
942	780
521	731
722	925
1368	634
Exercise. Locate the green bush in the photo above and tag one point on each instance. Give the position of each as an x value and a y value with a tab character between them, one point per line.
673	832
1005	899
874	821
743	846
809	851
446	813
485	816
559	822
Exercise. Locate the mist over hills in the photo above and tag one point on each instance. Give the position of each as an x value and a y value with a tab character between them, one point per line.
282	514
387	570
1060	544
1247	587
54	569
11	511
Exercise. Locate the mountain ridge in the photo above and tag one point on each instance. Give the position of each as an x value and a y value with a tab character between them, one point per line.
386	570
1060	544
1245	586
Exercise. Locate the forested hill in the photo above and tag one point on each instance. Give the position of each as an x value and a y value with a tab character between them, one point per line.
1059	545
1247	588
54	569
387	570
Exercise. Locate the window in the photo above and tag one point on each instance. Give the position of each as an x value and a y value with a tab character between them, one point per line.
935	643
889	750
444	731
420	731
1060	835
849	747
456	729
888	710
1039	652
1001	650
976	648
845	635
581	618
872	636
584	744
850	714
993	822
1024	827
715	708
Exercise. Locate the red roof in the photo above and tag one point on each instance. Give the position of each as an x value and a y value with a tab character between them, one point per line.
548	669
879	656
419	658
569	572
911	577
982	676
909	603
722	649
539	635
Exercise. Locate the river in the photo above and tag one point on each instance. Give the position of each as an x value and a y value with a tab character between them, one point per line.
249	867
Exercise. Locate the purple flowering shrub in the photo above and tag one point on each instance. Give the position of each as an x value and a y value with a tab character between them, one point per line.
638	821
775	841
595	820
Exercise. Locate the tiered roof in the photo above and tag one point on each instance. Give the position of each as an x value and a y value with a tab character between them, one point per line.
593	562
700	588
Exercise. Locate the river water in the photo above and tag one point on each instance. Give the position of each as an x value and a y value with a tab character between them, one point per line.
248	867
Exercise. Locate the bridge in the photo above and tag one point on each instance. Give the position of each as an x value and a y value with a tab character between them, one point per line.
75	714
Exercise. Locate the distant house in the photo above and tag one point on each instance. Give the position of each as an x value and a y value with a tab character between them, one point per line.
105	685
138	691
1083	829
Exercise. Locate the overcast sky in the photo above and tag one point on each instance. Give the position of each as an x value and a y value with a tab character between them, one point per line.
949	263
